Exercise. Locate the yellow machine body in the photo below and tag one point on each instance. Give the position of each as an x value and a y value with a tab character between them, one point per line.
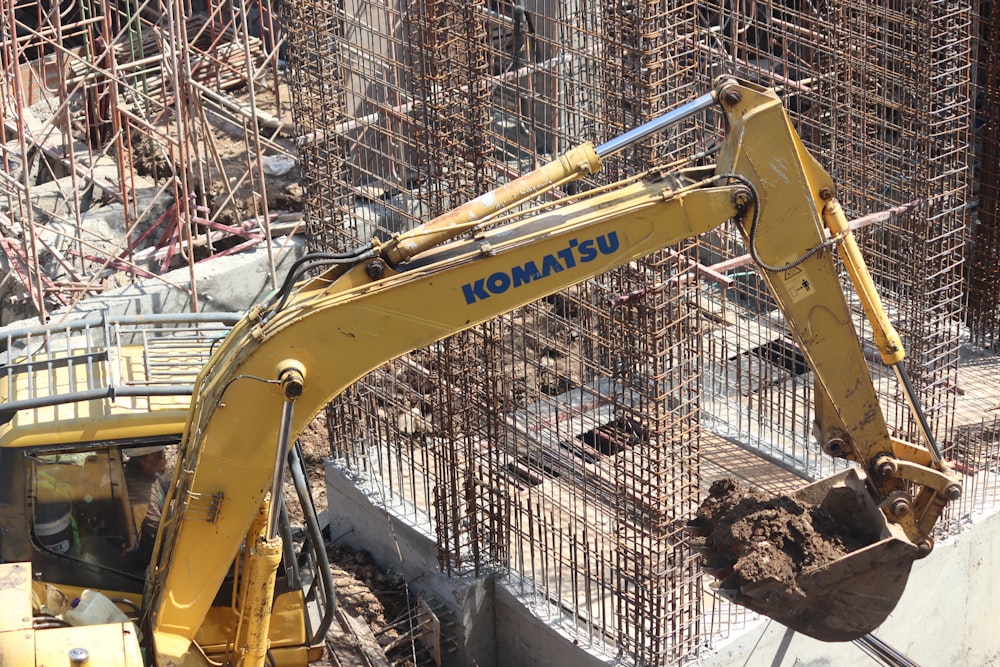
314	338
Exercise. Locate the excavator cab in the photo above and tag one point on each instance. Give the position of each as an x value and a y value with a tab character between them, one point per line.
73	499
79	506
67	511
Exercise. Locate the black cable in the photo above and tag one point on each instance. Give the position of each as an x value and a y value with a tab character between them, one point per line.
309	262
46	621
127	603
755	221
296	466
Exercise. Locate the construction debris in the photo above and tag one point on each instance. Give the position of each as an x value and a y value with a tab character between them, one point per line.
128	132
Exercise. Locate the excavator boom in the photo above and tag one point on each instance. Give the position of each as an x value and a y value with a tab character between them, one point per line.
289	357
413	290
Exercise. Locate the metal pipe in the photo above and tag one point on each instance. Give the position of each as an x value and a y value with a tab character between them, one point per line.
224	318
280	458
9	409
918	414
672	117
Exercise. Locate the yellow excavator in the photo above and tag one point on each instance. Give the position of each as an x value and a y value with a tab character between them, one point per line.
227	581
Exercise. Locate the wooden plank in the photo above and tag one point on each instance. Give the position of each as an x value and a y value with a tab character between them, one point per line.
372	650
430	630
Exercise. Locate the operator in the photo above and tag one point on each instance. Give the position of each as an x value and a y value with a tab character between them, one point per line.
147	480
142	469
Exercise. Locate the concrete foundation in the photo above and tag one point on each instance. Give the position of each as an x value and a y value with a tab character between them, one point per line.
948	615
224	284
485	625
522	639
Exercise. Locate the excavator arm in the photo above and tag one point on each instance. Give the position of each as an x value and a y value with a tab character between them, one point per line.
795	261
312	339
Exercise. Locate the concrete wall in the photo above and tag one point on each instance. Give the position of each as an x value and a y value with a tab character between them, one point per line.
356	521
525	641
487	625
224	284
949	615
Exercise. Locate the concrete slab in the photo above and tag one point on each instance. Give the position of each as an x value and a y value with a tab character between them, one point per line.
224	284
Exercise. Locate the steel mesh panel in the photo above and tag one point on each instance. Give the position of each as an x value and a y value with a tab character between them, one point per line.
983	314
561	445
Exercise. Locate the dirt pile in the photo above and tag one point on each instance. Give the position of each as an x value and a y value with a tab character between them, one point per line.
748	536
823	561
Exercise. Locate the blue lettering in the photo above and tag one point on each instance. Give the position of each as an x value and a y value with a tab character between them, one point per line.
501	281
474	291
608	243
522	275
498	283
550	265
567	257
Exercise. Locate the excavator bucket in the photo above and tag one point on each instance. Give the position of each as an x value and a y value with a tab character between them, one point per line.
823	561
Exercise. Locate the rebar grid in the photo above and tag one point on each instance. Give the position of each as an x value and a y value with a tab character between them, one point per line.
561	445
658	345
983	271
880	94
127	106
318	92
910	105
758	389
514	444
976	448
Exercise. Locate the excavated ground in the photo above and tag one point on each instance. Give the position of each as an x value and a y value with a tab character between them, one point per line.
362	588
748	536
378	598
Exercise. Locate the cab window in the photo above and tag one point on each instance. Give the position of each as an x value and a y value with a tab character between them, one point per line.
84	508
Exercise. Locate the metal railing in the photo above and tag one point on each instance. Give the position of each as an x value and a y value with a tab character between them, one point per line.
82	360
